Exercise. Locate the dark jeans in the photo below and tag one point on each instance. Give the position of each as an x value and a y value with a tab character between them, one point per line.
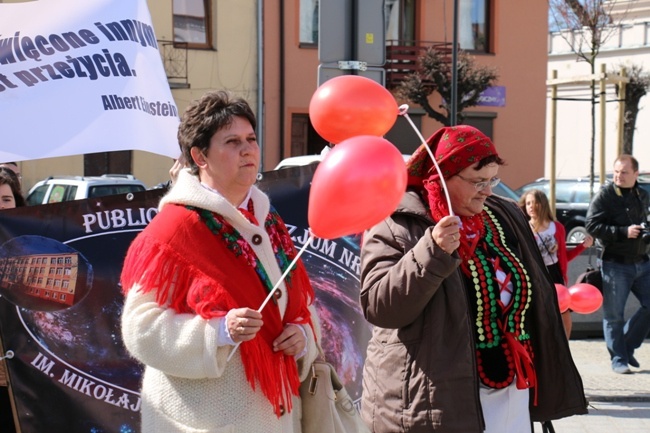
623	337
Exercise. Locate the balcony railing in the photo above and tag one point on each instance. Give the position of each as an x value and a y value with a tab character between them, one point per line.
174	57
402	58
627	35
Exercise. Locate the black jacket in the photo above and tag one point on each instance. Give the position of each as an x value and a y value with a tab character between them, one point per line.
611	213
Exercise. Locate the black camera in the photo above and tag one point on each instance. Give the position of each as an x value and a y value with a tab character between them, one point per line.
645	233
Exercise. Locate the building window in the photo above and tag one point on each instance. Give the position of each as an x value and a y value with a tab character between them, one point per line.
481	120
400	20
473	25
304	138
192	23
309	22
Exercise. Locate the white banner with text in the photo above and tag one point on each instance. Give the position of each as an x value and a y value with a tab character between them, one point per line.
81	77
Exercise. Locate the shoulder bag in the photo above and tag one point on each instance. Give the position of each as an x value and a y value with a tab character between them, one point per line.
326	405
591	275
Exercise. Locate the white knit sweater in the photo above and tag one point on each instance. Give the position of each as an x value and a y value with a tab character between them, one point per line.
188	386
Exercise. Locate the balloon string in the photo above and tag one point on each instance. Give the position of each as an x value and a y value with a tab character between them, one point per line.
277	285
403	111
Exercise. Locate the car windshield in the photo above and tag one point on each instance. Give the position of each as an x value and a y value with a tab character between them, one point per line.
37	195
103	190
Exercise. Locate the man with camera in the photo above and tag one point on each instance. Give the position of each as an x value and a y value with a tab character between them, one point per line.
617	217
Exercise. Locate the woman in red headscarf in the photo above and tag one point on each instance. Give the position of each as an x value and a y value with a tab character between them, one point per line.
467	333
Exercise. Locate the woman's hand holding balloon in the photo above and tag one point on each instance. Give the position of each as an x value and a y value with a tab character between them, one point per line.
243	324
446	234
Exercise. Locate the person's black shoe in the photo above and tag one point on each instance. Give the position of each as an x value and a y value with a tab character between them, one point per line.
633	362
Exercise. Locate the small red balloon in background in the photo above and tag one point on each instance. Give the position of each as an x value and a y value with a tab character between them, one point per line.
563	297
358	184
351	105
585	298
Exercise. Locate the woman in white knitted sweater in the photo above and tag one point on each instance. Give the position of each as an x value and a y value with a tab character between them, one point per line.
194	279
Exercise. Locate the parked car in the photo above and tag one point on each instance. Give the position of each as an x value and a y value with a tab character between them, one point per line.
297	161
572	202
501	189
56	189
505	191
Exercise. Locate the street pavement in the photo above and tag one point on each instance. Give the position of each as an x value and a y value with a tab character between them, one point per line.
618	403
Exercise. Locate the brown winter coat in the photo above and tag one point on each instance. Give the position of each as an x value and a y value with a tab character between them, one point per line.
420	373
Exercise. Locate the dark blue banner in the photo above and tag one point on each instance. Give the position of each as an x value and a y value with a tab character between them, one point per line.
61	303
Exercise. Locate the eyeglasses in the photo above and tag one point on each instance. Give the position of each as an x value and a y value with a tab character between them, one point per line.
480	186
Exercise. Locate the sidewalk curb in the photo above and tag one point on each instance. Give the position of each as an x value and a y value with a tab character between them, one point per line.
618	399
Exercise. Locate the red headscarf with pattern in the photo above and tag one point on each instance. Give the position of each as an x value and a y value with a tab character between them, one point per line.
454	147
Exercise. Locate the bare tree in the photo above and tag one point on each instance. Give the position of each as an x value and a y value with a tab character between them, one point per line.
635	89
585	25
587	22
434	75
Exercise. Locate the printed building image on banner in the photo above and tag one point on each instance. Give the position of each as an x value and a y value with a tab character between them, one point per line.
70	371
43	274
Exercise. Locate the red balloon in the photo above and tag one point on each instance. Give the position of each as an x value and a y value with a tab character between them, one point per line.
563	297
351	105
585	298
358	184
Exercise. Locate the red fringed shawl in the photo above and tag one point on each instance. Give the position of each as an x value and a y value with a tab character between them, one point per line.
192	270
